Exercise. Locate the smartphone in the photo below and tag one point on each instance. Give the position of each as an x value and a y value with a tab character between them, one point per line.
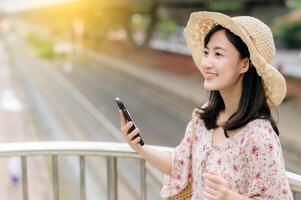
128	118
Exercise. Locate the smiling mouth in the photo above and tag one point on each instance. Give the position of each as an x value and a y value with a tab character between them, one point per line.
210	76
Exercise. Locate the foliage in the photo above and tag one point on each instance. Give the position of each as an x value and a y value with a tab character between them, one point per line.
165	28
287	30
43	47
225	6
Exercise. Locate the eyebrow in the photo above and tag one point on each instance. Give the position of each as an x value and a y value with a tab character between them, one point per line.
217	48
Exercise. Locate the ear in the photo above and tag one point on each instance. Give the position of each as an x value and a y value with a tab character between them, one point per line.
244	65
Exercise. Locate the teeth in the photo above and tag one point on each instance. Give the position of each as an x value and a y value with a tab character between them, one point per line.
210	76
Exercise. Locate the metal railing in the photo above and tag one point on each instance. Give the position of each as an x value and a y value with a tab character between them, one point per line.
111	151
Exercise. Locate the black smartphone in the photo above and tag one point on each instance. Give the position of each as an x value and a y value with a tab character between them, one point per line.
128	118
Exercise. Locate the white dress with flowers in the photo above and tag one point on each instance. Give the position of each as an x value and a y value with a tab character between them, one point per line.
251	161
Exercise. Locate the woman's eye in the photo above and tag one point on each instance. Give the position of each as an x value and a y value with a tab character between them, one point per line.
218	54
205	53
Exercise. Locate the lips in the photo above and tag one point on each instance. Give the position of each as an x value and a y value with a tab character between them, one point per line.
210	76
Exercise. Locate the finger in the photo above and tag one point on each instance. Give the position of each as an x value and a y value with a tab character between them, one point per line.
122	118
131	135
213	177
135	141
125	129
212	184
209	196
210	190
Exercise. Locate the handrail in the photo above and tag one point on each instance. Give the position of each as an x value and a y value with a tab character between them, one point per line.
111	150
71	148
67	148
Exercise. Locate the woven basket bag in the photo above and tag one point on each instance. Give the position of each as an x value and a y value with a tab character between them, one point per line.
186	193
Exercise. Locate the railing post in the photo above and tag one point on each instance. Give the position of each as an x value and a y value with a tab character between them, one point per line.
24	178
112	178
111	151
55	177
82	178
143	179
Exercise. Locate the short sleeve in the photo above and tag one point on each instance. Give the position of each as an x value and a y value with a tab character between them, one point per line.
267	174
180	158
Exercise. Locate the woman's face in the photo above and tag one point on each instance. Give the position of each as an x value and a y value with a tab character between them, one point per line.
222	66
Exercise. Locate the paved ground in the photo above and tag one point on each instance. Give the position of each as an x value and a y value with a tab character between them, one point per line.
15	126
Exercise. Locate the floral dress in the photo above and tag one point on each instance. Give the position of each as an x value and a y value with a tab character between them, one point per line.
251	162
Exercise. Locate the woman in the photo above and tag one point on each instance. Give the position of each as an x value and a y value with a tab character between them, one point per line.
235	152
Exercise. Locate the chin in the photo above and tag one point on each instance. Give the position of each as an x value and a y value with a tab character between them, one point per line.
210	86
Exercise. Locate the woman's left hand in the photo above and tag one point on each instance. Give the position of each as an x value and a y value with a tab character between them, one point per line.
216	187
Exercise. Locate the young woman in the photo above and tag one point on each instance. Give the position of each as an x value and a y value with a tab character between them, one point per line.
235	152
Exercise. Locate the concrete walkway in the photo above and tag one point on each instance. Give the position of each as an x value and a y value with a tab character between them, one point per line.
15	126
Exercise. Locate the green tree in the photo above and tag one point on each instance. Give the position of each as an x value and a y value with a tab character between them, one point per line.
287	29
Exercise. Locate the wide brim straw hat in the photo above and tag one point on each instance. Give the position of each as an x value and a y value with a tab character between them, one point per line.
254	33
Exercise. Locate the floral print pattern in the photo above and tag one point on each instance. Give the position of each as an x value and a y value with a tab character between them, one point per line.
251	161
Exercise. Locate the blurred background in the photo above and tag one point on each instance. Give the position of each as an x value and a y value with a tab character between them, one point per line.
62	63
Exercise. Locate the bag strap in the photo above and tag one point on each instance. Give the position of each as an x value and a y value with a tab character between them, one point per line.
193	123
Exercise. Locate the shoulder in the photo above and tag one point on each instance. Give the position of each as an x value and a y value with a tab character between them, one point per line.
261	128
262	145
261	133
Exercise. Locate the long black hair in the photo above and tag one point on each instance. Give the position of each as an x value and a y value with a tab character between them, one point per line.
253	102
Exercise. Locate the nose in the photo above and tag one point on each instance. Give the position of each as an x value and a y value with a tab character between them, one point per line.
206	62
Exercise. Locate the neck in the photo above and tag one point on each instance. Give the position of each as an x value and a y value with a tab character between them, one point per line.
231	98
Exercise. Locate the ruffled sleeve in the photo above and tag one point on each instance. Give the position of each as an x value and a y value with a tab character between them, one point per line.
267	174
180	158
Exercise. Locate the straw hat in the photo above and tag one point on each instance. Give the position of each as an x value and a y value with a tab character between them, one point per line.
255	34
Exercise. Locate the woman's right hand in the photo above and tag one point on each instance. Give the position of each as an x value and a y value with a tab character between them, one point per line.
125	126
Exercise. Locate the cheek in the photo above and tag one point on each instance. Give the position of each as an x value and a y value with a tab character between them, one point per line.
227	77
229	69
202	70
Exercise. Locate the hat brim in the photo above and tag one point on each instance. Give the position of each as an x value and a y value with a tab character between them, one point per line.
198	26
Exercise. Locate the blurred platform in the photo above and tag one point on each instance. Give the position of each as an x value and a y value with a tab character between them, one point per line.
16	126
